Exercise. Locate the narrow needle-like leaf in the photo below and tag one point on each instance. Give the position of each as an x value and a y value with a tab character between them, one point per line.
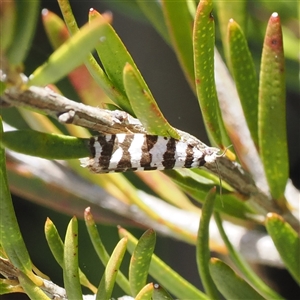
60	63
10	236
227	10
100	249
70	267
140	261
167	277
229	283
272	111
244	74
202	246
287	242
108	279
179	23
145	293
159	293
144	105
31	289
243	266
203	41
51	146
26	20
57	248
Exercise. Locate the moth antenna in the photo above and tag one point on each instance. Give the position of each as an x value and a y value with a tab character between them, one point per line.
218	170
220	181
224	152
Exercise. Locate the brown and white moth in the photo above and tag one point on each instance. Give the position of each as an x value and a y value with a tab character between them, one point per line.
132	152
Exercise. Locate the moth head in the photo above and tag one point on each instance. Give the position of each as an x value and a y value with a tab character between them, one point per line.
211	153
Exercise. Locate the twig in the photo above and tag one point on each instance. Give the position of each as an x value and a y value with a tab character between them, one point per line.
70	112
52	290
67	111
10	272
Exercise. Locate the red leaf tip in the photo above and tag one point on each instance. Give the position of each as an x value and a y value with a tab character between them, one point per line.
274	18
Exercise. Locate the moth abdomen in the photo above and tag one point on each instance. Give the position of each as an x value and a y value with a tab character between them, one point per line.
133	152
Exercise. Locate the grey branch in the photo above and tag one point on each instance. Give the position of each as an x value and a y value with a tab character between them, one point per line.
67	111
52	290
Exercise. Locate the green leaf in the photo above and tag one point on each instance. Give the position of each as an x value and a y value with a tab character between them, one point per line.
114	56
55	28
68	16
167	277
8	23
108	279
144	105
229	283
244	75
31	289
8	286
10	235
287	243
85	85
51	146
243	266
179	22
70	265
122	281
140	261
108	87
272	110
145	293
159	293
92	65
26	20
203	42
197	183
54	242
227	10
69	55
202	246
153	11
57	249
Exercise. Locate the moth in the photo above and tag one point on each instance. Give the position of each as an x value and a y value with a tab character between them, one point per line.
134	152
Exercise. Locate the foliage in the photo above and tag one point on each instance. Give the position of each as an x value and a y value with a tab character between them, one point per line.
259	126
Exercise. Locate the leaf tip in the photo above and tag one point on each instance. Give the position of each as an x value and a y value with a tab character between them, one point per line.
274	216
48	222
214	260
88	217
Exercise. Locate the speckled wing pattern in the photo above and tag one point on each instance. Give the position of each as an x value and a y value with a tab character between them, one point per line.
141	152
